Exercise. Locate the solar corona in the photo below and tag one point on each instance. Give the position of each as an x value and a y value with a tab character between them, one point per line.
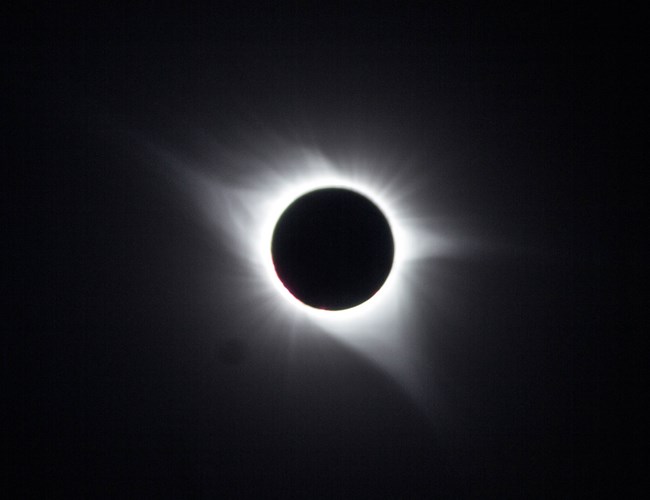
318	246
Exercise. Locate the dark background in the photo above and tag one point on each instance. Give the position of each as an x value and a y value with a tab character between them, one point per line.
130	372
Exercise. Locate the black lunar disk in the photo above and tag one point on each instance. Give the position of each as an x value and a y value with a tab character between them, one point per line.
332	248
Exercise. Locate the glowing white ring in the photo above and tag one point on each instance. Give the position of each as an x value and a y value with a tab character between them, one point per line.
268	258
320	174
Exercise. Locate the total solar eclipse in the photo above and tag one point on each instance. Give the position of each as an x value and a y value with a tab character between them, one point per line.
332	249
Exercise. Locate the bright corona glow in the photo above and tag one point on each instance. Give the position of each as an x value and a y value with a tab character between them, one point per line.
288	198
384	328
314	172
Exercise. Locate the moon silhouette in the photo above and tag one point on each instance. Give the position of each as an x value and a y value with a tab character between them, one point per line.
332	249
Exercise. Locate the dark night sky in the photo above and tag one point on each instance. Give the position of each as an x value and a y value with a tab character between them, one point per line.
131	373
